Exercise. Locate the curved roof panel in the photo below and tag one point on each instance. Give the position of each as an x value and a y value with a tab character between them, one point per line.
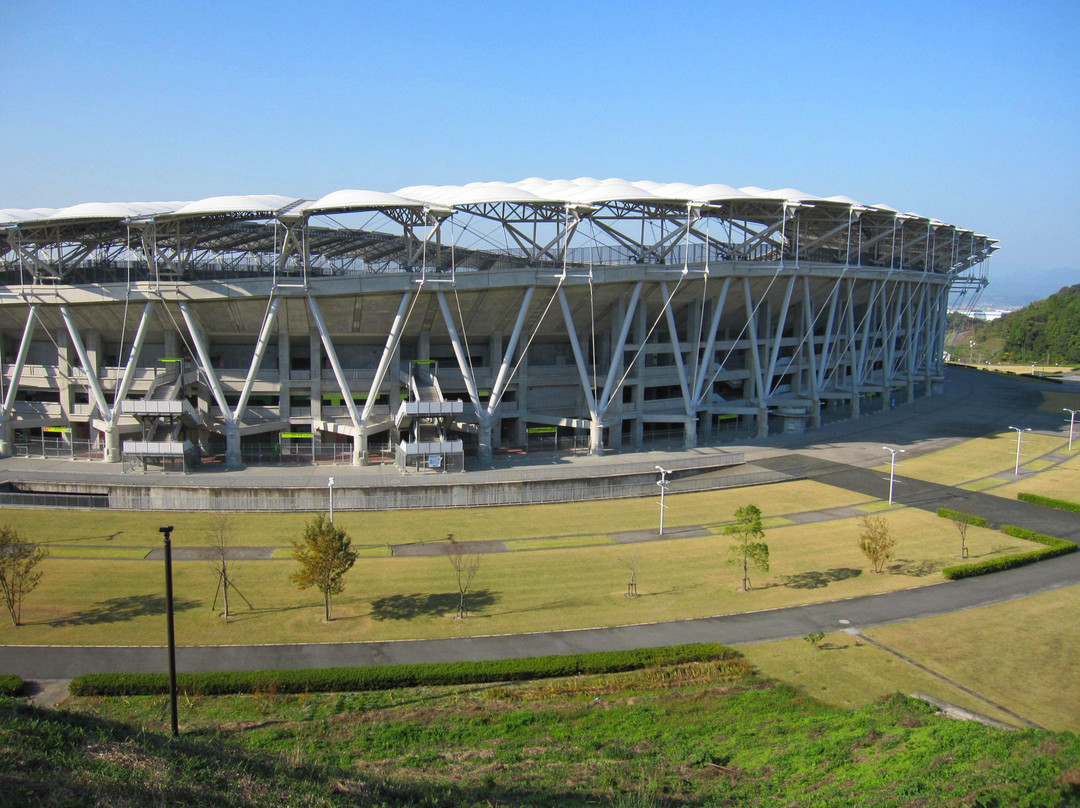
109	210
250	203
357	200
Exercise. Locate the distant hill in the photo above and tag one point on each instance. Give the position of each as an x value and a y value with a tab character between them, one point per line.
1045	331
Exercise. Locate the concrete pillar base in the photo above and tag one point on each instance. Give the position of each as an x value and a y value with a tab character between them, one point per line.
596	439
763	422
483	448
233	458
112	446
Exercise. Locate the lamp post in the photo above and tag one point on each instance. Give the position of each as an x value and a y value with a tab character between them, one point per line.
663	490
330	485
1019	433
167	532
892	467
1072	421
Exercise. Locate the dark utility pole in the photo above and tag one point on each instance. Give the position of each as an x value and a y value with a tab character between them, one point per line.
169	621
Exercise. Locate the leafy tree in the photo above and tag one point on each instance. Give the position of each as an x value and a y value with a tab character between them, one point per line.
18	558
748	549
324	555
465	568
876	542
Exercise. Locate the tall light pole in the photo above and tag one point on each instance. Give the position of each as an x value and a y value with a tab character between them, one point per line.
1019	434
330	485
1072	421
167	532
892	467
663	490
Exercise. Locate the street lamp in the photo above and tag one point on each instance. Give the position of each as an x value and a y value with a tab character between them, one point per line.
167	532
330	485
892	468
1072	421
1019	433
663	490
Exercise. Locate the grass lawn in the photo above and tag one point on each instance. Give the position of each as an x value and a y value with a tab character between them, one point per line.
988	650
138	529
1060	482
121	602
976	458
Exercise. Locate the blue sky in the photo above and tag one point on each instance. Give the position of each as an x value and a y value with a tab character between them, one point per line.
966	112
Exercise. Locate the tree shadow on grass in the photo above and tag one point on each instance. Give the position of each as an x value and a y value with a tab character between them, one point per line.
916	569
818	579
119	610
409	607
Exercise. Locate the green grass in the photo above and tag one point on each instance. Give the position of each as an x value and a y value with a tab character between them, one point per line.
690	735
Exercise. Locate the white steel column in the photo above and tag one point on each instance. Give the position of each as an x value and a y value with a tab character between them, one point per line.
233	459
339	375
392	340
112	452
256	359
92	380
706	363
755	363
13	385
781	323
596	427
690	427
502	380
483	450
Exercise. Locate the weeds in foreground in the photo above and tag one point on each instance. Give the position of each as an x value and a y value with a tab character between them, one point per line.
688	735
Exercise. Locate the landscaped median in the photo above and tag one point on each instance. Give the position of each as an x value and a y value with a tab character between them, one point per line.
1054	547
387	677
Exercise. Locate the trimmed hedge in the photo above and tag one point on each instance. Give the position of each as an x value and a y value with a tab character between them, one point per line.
960	516
1054	547
386	677
10	685
1049	502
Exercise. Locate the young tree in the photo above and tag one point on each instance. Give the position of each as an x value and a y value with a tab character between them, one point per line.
632	563
465	568
876	542
324	555
748	549
18	558
219	537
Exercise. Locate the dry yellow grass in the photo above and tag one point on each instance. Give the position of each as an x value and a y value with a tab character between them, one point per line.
120	602
94	528
979	457
1023	654
1061	482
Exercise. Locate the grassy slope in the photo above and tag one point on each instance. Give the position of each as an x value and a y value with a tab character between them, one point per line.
677	737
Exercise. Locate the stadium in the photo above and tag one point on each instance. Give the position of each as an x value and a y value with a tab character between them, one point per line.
443	325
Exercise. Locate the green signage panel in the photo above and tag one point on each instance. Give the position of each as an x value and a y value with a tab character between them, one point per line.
297	435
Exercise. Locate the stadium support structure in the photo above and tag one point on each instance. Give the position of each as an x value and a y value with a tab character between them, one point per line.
598	314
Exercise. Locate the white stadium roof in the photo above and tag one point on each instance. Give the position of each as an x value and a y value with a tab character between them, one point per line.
531	191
